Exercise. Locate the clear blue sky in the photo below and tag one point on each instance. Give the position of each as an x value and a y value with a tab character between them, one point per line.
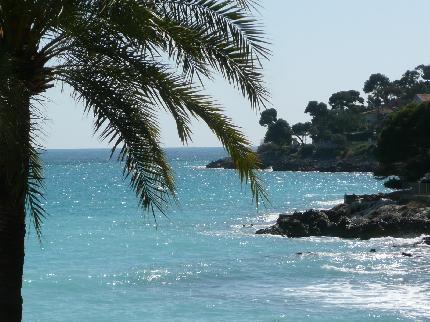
319	47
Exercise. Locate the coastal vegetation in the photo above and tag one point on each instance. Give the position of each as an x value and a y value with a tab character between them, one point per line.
123	60
403	148
347	124
344	135
387	136
392	132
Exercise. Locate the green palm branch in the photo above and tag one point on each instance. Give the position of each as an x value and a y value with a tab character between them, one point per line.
121	57
124	60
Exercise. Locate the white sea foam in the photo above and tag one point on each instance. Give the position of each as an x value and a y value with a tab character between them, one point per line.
387	269
270	217
412	301
197	167
328	203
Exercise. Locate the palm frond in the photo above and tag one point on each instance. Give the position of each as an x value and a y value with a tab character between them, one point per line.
206	34
226	18
177	94
135	84
153	85
35	191
120	56
199	36
126	120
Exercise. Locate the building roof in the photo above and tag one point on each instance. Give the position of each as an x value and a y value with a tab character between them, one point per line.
422	97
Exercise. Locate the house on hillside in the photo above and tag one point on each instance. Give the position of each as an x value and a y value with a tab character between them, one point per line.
374	117
421	98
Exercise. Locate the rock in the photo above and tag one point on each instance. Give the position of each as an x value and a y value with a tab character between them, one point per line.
369	217
225	163
406	254
426	241
423	241
372	250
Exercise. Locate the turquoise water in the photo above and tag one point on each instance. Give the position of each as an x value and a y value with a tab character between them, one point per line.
102	259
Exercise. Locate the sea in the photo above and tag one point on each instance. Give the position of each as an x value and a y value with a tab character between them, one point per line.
102	258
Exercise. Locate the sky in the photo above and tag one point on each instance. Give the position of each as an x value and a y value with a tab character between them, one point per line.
318	47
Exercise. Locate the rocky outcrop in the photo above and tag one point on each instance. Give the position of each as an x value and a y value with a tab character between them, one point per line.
303	165
365	218
280	160
225	163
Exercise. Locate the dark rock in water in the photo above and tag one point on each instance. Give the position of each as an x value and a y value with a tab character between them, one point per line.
226	163
373	250
426	241
369	217
406	254
304	253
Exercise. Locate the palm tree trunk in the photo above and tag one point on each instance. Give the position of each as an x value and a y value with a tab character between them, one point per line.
14	169
12	232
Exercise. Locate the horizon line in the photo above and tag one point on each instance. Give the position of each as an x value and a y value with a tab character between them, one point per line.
108	148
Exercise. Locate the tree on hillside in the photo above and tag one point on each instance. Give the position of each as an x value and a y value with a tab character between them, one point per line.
376	82
376	86
124	60
336	122
342	122
301	130
268	117
346	100
398	92
279	133
409	80
316	109
424	71
404	145
408	86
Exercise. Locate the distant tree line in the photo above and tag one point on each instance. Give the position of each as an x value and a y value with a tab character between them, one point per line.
344	112
381	91
403	140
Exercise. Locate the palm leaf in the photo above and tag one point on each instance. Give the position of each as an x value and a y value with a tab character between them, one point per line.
126	60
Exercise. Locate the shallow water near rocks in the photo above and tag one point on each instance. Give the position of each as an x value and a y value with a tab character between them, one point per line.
102	259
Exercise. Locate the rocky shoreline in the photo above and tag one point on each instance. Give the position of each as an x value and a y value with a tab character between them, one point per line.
368	216
295	159
329	165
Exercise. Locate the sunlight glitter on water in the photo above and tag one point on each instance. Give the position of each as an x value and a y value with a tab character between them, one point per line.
108	262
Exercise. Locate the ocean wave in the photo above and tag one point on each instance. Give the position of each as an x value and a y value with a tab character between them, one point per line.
268	218
197	167
136	277
355	270
410	300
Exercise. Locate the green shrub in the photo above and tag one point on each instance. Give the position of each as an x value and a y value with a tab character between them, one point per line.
327	152
307	150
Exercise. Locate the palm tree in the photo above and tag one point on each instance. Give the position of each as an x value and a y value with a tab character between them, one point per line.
124	60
